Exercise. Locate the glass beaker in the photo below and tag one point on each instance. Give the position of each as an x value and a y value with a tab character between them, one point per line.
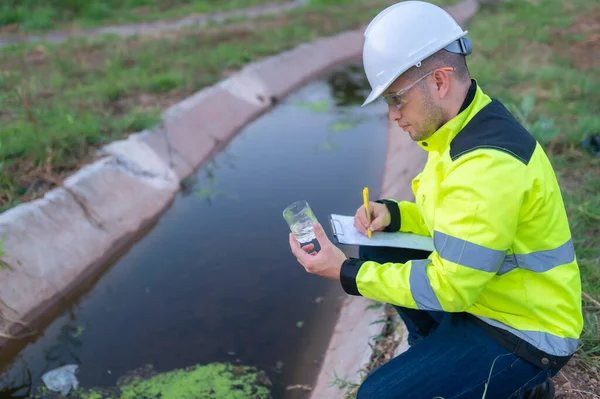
301	220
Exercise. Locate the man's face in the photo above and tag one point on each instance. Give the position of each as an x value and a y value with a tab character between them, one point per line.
420	115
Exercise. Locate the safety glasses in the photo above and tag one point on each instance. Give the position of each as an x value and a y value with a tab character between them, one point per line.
395	99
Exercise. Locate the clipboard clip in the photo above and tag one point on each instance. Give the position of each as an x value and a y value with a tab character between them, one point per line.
336	230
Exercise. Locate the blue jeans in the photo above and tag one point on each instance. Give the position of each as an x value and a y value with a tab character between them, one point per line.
450	356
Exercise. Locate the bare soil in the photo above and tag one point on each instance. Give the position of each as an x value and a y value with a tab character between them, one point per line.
586	53
577	381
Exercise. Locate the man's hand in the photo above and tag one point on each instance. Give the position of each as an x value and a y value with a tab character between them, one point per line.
326	263
380	218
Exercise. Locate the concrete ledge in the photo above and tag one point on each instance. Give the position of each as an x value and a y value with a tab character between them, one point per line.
203	123
349	346
31	278
404	160
278	76
53	241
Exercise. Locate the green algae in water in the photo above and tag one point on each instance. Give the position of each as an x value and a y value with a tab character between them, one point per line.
318	106
212	381
340	126
91	394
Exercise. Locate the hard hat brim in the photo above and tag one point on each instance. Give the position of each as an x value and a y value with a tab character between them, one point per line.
373	95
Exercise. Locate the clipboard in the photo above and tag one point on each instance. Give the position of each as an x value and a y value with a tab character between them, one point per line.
345	233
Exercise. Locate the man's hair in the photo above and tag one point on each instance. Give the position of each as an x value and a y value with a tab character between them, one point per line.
442	58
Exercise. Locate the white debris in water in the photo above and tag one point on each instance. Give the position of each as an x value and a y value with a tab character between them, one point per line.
62	379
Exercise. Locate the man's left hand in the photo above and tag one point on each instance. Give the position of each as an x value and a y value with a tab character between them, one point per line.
326	263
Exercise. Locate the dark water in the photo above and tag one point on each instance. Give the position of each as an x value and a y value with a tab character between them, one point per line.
214	278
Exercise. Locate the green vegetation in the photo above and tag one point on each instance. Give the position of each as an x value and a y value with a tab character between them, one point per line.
78	331
60	102
383	345
346	119
211	381
318	106
38	15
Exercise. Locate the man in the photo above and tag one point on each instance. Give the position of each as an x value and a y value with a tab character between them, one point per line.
495	310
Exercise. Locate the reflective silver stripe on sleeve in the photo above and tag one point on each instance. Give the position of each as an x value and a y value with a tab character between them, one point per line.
540	261
420	286
467	254
509	264
549	343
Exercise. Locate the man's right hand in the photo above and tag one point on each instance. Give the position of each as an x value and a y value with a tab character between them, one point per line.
380	218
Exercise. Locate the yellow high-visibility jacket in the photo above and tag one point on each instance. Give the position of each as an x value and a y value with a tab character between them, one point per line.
503	251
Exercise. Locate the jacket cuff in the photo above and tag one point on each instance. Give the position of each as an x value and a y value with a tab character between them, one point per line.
348	274
394	210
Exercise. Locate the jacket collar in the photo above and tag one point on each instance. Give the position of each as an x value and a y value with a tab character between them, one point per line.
440	140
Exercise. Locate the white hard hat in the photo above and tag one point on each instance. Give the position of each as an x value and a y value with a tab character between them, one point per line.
403	35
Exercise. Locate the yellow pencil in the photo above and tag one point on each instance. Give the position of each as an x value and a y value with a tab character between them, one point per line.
366	201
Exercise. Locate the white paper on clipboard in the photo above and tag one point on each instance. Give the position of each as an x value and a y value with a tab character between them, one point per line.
345	233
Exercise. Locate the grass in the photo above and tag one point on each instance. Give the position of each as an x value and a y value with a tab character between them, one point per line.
60	102
29	16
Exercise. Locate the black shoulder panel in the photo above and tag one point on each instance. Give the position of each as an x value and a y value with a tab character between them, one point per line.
494	127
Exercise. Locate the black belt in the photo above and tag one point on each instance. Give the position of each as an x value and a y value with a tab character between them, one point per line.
522	348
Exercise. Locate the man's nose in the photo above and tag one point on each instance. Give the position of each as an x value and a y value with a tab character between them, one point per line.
394	113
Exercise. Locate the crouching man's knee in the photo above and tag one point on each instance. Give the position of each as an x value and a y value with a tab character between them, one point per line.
373	387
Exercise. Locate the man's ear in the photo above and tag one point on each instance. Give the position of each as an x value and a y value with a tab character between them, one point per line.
441	79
